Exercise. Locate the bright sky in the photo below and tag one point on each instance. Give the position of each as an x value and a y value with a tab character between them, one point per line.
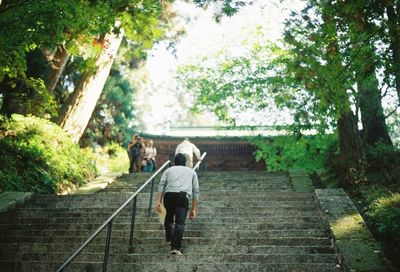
204	37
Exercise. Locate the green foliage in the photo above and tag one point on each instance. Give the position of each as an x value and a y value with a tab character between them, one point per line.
112	158
228	7
384	213
38	156
286	152
223	83
383	164
77	25
46	24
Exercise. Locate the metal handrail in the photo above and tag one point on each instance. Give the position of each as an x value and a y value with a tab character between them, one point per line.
108	222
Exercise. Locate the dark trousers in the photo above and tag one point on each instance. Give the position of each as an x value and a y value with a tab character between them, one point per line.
177	206
134	164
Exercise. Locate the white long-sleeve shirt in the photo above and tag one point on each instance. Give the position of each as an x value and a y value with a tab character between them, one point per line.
150	152
180	179
188	149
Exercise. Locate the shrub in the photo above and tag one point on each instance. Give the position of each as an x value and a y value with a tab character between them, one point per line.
112	158
383	163
38	156
384	213
284	152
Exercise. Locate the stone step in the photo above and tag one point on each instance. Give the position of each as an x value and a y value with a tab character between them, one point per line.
215	183
155	226
122	196
200	219
9	248
90	213
124	219
166	256
203	207
172	266
224	241
293	205
140	233
247	221
221	189
216	204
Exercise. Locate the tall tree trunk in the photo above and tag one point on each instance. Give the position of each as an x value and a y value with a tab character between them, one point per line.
59	62
394	34
81	103
372	116
352	157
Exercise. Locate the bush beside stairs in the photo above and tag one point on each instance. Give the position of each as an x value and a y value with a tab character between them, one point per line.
247	221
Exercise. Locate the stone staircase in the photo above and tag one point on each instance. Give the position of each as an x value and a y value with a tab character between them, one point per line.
247	221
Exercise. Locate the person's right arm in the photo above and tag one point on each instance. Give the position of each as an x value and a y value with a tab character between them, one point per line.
196	151
161	188
158	203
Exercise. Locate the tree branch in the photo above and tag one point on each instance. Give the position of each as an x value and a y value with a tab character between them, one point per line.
386	91
365	42
393	111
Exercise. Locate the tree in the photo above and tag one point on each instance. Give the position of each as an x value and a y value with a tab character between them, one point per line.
114	110
29	24
82	33
302	75
81	103
364	63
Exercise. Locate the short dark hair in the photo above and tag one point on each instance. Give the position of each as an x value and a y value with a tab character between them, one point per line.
180	159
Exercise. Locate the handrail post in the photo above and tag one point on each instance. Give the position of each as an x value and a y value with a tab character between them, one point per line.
132	223
151	198
107	247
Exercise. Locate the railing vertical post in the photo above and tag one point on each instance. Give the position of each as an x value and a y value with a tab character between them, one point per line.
132	222
151	198
107	247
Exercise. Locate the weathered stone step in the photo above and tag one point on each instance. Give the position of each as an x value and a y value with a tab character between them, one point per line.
237	202
9	248
225	180
121	219
247	221
209	232
224	241
222	188
173	266
191	258
122	196
200	219
154	226
217	183
201	211
216	204
293	205
90	213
